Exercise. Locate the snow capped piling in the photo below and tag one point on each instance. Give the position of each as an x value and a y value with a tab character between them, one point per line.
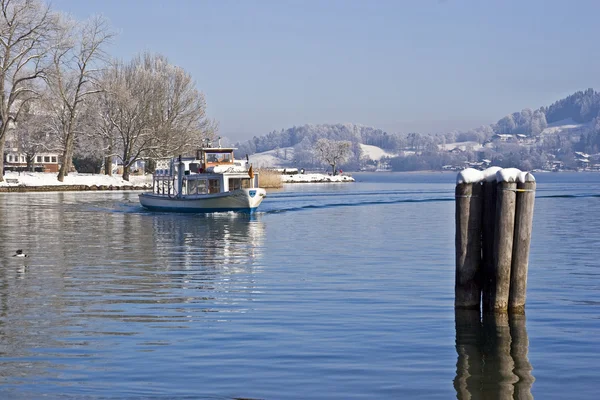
489	192
521	242
503	242
468	239
494	218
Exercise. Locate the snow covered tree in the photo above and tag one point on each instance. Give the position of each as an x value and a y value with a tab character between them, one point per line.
506	125
26	27
538	123
76	56
177	109
100	114
130	89
333	152
151	109
32	134
303	153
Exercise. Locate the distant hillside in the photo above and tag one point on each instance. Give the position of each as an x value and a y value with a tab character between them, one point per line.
580	108
286	157
308	134
557	131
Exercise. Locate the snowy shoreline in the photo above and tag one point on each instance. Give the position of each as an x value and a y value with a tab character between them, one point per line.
315	178
47	182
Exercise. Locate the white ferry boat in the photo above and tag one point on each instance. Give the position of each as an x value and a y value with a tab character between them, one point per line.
211	182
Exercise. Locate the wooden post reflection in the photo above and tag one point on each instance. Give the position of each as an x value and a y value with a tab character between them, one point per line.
498	370
492	358
469	363
518	351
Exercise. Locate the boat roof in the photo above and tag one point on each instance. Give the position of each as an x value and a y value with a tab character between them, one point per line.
221	149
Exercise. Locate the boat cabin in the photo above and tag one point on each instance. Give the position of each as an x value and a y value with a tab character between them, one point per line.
212	157
213	170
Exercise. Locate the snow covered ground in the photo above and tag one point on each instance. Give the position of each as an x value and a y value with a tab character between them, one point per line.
374	153
284	157
315	178
563	125
41	179
12	179
279	158
460	145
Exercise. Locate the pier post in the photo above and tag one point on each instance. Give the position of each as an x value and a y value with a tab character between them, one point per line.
488	277
503	245
525	198
468	245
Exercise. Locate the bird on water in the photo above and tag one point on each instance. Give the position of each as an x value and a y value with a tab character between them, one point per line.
19	254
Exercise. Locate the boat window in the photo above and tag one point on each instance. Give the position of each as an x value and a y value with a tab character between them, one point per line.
214	186
218	157
196	186
192	187
235	184
239	183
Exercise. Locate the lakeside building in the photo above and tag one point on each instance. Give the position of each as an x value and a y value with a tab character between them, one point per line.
42	162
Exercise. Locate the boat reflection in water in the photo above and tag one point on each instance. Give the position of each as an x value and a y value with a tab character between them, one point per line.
222	243
492	356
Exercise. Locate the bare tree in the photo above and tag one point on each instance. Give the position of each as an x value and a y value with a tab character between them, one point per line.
333	152
76	57
178	109
25	30
32	134
152	109
104	107
130	86
88	149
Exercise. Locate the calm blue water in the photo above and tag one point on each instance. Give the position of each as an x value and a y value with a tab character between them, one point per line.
330	292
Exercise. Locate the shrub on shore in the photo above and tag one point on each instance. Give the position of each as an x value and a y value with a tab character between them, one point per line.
269	179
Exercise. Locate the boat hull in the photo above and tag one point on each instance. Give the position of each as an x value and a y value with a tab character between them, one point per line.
242	200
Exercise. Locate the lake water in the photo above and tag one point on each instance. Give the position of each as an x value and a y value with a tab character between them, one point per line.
331	291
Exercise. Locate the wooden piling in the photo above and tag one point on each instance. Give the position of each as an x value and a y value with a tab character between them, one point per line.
488	277
503	246
467	287
525	198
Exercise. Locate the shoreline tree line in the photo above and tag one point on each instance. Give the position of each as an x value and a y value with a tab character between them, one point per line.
61	92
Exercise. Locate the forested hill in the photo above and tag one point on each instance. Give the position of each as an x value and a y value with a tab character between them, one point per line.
580	107
544	127
306	135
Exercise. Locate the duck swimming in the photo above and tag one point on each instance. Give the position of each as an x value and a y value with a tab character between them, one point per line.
19	254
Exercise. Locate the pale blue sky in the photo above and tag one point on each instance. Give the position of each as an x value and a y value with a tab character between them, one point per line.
414	65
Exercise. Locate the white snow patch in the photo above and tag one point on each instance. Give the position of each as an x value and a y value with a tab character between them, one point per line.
315	178
374	153
49	179
563	125
489	174
278	158
469	175
508	175
526	177
464	146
